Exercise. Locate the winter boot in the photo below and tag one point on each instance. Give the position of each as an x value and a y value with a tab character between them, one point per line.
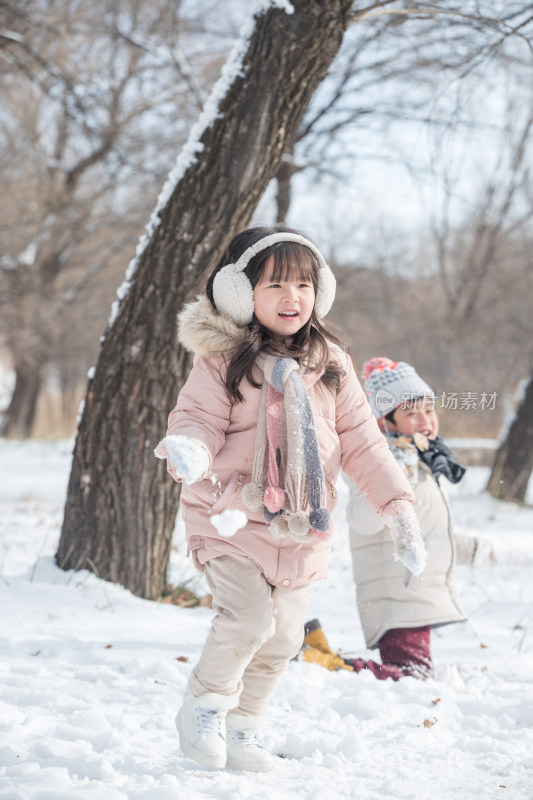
315	637
201	727
312	655
244	751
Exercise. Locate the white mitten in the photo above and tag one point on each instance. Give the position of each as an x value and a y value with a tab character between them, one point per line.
409	546
189	457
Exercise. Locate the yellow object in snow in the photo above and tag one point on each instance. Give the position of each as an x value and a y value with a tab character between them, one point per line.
317	639
312	655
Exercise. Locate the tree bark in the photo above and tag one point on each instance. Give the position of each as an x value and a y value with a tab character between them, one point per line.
121	504
514	460
284	174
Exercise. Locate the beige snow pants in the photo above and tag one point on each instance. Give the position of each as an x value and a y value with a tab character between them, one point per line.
257	629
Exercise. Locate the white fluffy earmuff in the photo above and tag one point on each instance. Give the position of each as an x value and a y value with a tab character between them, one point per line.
233	293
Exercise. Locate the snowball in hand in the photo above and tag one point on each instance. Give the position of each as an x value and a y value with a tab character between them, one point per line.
189	457
412	553
409	546
229	522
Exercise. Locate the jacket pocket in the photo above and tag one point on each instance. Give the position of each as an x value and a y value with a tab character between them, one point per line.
331	495
194	544
233	488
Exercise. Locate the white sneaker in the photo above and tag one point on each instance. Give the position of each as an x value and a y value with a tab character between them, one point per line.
201	728
243	749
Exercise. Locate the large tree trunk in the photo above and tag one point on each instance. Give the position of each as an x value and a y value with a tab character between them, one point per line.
20	415
284	173
121	505
514	460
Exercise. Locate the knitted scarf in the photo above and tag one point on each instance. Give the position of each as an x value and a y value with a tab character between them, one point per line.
438	457
432	452
286	442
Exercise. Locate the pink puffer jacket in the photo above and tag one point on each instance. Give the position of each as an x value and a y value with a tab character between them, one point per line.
348	437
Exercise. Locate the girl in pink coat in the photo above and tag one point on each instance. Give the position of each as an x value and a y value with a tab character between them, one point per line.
271	411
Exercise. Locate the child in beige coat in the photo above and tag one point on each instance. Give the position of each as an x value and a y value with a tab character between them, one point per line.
397	609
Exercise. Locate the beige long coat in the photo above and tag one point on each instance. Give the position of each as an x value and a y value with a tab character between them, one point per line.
388	595
347	433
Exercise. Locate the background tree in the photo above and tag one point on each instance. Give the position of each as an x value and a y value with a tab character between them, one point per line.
409	86
121	507
90	95
514	460
408	67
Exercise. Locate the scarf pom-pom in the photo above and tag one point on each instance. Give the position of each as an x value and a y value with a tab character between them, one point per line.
299	523
320	519
252	496
274	498
280	526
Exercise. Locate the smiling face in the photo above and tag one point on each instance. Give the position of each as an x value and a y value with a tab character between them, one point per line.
416	416
283	304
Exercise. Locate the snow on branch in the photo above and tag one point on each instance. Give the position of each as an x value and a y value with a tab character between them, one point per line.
188	155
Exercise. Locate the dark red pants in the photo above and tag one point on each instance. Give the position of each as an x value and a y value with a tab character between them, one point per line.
403	651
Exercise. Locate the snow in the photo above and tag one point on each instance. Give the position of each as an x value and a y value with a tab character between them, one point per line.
463	442
229	522
92	676
189	457
7	385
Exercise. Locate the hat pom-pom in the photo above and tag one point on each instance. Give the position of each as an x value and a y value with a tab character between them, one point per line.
320	519
299	523
378	363
252	496
274	498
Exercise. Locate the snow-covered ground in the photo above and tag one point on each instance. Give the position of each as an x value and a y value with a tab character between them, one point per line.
92	676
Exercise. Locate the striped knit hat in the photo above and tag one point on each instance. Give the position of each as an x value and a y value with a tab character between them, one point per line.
388	384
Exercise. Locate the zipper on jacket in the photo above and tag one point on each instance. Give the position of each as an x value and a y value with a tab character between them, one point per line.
450	534
330	496
227	494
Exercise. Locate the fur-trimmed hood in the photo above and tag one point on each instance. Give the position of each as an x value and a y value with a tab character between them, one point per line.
205	332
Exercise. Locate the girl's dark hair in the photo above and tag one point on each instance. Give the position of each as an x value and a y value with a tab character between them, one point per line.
390	416
311	341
